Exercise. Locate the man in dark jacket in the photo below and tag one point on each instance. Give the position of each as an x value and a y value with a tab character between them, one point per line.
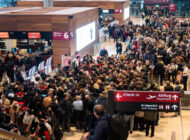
103	53
118	48
159	71
101	131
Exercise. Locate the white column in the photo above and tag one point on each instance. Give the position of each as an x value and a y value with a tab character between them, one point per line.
48	3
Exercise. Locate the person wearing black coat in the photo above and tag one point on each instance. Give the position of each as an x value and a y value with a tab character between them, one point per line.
66	110
118	48
159	71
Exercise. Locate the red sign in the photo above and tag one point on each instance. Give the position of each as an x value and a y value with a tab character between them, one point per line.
157	1
34	35
147	97
62	35
172	7
4	35
118	11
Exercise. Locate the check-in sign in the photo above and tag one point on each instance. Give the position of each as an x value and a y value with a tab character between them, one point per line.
147	101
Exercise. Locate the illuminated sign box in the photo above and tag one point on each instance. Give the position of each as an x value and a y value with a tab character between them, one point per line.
4	35
85	35
34	35
61	35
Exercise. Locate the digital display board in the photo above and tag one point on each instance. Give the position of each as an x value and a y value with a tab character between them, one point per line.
4	35
34	35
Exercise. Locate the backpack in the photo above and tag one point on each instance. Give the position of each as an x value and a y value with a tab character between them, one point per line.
119	127
58	134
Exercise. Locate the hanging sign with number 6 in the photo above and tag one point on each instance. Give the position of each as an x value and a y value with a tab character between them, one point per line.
61	36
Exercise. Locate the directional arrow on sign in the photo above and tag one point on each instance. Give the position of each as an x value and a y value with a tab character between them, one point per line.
174	107
175	97
118	96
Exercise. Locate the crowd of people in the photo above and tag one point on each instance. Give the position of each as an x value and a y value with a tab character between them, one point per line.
77	94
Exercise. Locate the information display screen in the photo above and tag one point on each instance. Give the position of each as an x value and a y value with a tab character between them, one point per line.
85	35
34	35
4	35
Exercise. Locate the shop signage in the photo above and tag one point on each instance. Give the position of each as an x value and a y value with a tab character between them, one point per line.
118	11
34	35
62	35
147	101
4	35
172	7
157	1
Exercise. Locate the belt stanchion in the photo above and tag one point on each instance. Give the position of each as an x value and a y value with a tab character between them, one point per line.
143	101
34	70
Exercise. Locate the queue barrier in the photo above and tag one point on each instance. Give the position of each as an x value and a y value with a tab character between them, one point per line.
34	70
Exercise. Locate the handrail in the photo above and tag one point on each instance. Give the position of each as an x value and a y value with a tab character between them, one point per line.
11	135
173	136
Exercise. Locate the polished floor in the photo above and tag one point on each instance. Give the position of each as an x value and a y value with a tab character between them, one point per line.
168	122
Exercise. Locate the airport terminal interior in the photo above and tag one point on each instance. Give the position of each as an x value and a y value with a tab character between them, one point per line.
94	70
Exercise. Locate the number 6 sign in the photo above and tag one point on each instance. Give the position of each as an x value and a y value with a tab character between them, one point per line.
66	36
61	36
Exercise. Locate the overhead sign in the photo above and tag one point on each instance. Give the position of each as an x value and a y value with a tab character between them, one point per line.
172	7
4	35
157	1
34	35
62	35
146	101
118	11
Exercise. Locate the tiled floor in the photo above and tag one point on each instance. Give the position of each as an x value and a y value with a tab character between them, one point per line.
167	124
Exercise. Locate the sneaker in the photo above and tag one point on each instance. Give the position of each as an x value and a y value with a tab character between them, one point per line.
152	135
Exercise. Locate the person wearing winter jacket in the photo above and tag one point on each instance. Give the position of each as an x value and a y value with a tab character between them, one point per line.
101	131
